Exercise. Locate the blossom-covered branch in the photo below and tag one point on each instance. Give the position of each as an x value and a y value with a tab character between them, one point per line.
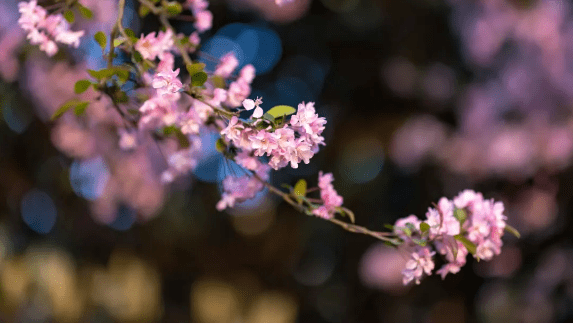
166	102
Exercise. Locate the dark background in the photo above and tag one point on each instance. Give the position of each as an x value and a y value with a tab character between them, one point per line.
187	262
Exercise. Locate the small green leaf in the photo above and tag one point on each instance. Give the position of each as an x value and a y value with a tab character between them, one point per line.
137	56
81	86
406	231
85	12
121	97
174	8
221	146
388	226
64	107
392	242
281	110
411	227
118	41
195	68
218	81
198	79
121	73
269	117
129	32
460	215
512	231
183	140
424	227
467	243
420	242
300	188
80	109
101	39
143	11
70	17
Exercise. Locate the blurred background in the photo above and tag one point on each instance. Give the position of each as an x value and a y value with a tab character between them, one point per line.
424	98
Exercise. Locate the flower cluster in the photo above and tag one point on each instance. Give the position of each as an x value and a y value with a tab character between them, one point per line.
45	29
330	198
203	17
151	46
294	142
468	224
238	189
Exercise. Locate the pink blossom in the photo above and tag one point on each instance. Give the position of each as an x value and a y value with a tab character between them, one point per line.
44	29
263	142
204	20
150	47
238	189
247	160
194	39
421	262
330	198
167	82
234	130
197	5
227	65
238	91
247	73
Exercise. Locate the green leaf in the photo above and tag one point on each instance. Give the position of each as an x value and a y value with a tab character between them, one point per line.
420	242
129	32
281	110
195	68
467	243
85	12
174	8
118	41
406	231
137	56
121	73
388	226
411	227
221	146
70	17
81	86
143	11
461	215
218	81
121	97
393	242
101	39
300	188
424	227
269	117
183	140
80	109
64	108
174	130
198	79
512	230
